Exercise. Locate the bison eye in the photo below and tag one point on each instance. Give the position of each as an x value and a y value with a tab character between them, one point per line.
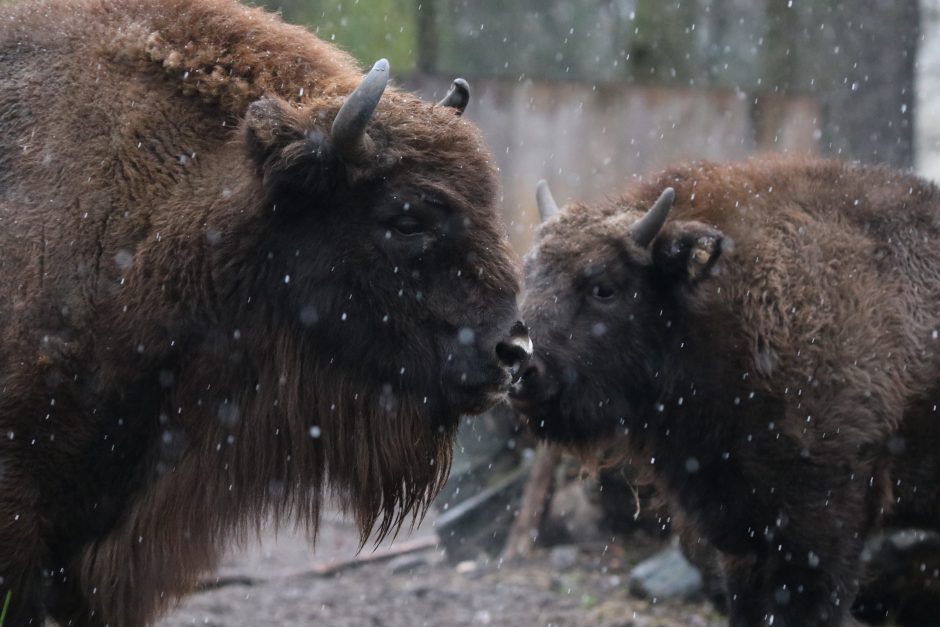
602	292
407	226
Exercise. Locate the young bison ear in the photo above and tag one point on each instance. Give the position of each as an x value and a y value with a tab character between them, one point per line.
688	250
285	153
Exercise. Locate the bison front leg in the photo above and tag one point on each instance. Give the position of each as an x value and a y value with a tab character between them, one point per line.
68	604
21	550
769	591
804	574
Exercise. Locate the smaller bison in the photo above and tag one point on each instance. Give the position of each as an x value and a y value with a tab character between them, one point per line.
762	339
238	279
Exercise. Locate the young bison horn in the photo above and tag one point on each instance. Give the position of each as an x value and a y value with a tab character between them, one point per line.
349	127
543	198
646	228
457	97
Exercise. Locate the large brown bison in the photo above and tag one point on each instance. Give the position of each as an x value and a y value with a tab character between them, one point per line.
237	278
766	348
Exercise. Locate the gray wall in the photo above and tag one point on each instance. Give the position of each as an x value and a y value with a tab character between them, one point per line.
928	92
587	140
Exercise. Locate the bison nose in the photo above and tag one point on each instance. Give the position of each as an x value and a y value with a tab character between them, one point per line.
535	386
514	351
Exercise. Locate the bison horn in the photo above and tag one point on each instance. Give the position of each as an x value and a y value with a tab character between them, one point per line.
543	198
646	228
349	127
457	97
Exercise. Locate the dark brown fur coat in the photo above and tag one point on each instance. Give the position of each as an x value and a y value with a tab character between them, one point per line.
208	320
771	358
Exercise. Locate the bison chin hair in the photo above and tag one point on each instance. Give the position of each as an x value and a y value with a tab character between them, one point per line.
381	455
317	429
592	414
581	420
302	433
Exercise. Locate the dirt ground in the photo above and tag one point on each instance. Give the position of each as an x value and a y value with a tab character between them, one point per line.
280	582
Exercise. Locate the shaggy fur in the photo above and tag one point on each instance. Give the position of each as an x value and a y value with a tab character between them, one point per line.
771	359
208	317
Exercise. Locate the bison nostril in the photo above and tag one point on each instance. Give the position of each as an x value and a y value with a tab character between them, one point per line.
514	354
530	373
531	385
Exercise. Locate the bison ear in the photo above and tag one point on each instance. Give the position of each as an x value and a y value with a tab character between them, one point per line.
284	152
269	125
457	97
689	251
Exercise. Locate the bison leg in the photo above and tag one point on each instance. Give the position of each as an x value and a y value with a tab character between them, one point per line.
21	550
804	567
166	540
706	559
68	604
771	592
806	575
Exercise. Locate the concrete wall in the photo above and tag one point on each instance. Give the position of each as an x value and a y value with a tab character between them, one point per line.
587	140
927	111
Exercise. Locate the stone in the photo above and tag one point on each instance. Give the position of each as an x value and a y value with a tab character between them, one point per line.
666	575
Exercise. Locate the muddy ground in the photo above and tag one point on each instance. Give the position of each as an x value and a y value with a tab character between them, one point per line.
280	581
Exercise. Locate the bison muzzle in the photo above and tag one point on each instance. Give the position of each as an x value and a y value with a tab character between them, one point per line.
238	279
762	340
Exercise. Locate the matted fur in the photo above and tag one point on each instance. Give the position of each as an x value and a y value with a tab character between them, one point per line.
771	360
209	319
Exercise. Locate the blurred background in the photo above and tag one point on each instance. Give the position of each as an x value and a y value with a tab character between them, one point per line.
587	94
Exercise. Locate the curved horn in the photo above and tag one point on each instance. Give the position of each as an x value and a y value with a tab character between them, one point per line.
457	96
349	127
543	198
645	229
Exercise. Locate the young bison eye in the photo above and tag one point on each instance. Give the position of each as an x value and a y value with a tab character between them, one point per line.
603	292
406	226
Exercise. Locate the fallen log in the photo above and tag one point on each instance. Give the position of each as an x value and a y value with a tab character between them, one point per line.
328	569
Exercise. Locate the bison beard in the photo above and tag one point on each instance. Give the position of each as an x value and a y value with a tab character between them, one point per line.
767	355
239	279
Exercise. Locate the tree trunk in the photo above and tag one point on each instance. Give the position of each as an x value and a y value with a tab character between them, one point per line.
868	96
535	497
427	39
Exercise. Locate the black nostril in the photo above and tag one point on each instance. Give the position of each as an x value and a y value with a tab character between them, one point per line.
530	373
515	350
510	353
531	383
514	356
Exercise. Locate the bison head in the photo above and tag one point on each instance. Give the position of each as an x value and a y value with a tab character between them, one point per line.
376	284
606	289
402	273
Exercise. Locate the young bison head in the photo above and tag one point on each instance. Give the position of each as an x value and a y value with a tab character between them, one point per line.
605	288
